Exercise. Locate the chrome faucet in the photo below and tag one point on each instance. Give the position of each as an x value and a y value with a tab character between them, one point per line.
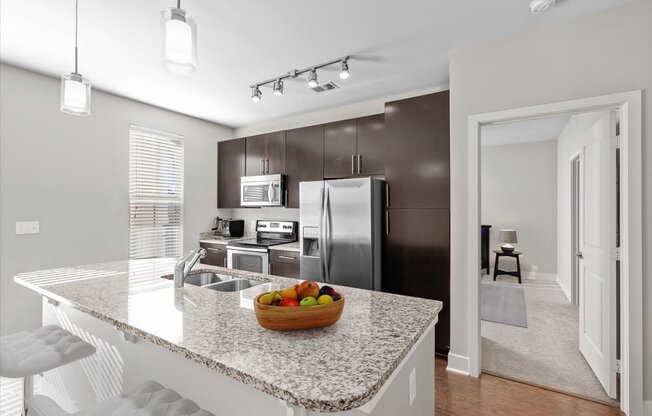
185	263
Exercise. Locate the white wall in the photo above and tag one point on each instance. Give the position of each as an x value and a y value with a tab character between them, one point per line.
71	174
601	53
568	145
519	191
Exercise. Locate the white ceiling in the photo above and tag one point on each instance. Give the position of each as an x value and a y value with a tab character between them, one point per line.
524	131
398	46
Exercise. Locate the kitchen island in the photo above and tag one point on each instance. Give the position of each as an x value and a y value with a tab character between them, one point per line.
378	359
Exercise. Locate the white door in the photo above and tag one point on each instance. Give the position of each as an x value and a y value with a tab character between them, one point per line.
597	303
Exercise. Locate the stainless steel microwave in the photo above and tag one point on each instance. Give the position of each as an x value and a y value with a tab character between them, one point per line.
262	191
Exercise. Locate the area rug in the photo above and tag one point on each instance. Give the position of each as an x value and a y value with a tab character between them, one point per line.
503	304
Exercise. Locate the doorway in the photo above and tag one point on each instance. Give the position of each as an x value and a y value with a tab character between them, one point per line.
628	105
543	213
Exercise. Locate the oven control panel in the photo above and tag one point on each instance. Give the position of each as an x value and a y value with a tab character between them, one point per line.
285	227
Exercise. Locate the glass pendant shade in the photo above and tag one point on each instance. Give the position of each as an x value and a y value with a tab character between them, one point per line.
179	42
75	95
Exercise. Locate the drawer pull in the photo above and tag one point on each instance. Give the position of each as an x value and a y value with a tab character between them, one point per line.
214	249
287	257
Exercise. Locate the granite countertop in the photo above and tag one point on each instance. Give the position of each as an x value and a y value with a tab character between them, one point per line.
350	360
287	247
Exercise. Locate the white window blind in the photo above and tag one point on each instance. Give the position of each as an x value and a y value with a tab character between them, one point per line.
155	194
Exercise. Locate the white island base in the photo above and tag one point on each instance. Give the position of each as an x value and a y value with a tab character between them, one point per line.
121	364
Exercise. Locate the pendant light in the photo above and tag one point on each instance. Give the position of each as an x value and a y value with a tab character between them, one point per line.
179	42
75	89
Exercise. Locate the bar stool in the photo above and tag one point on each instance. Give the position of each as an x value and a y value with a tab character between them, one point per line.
149	398
28	353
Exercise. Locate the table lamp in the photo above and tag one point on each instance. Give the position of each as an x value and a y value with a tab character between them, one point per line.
507	237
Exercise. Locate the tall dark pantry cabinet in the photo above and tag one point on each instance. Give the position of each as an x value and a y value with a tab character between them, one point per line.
417	173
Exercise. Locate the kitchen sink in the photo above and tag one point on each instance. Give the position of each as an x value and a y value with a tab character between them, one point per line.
204	279
234	285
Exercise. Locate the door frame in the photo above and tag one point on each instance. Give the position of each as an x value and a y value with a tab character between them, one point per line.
575	227
628	105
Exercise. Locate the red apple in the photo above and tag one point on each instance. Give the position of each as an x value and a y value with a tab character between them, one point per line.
308	289
291	302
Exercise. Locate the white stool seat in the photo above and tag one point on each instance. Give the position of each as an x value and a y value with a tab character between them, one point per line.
149	398
28	353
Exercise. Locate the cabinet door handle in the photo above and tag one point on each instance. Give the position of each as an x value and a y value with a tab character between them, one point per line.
359	164
352	164
386	195
269	268
225	262
287	257
266	166
262	166
213	249
386	222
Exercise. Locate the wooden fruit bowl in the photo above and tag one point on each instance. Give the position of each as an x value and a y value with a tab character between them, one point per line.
283	318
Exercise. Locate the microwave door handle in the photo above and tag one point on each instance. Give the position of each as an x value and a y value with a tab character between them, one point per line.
270	193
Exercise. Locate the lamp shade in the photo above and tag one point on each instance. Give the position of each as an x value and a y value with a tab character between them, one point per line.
179	42
507	236
75	95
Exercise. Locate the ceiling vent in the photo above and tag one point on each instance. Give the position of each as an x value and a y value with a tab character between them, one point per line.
325	87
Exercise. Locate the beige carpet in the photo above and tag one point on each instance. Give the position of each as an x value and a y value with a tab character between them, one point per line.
547	351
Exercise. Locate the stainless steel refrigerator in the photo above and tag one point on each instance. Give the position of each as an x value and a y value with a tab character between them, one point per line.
341	225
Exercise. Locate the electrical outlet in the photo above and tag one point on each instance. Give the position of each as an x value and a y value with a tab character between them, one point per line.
413	385
27	227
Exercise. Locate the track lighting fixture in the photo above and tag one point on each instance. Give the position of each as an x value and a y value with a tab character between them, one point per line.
75	89
256	95
278	88
277	82
179	42
344	72
312	79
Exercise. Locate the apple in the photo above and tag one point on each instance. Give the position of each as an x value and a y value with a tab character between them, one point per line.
308	289
289	293
291	302
309	301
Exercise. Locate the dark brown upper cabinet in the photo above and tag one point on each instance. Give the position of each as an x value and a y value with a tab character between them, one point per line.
230	167
304	159
371	145
340	149
265	154
354	147
417	152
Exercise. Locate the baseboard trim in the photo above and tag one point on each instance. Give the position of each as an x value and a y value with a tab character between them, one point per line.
565	290
551	277
458	364
647	407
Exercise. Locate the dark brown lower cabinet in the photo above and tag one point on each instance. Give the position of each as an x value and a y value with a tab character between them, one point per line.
215	254
284	263
417	261
285	270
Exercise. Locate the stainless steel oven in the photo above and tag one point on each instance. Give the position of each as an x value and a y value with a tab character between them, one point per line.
252	254
262	191
248	259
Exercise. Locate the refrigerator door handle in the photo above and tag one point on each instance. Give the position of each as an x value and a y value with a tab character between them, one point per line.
320	237
326	235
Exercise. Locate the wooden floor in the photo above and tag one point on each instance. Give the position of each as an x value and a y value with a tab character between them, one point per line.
458	395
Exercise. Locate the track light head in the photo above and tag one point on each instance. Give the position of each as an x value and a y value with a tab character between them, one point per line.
344	72
312	79
278	87
256	95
